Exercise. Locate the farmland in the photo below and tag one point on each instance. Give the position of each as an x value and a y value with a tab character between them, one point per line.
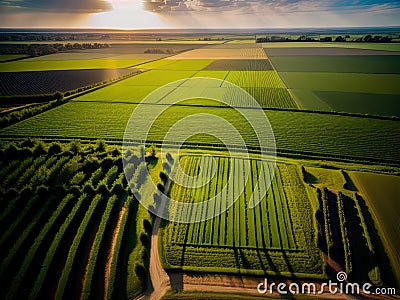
308	132
115	57
71	223
22	66
381	194
78	195
265	86
363	103
340	79
227	53
277	234
240	233
49	82
358	83
240	65
332	52
8	57
366	64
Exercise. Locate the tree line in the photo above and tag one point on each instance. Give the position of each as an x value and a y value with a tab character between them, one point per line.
339	39
34	50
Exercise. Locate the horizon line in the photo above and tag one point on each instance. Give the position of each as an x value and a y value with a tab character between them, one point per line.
199	29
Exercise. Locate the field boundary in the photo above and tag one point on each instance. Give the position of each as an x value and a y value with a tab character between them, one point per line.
276	249
320	112
188	145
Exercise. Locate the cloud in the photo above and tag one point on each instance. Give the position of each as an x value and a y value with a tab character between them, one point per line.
56	6
251	6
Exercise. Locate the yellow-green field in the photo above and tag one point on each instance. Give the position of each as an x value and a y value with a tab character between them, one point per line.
381	193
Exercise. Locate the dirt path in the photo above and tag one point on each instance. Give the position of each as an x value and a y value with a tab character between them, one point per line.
159	278
84	278
111	252
333	264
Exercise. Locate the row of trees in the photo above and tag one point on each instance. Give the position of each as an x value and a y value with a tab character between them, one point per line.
52	36
341	38
14	116
91	194
45	49
159	51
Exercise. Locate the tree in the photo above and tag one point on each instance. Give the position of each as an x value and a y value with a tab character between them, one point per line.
55	148
161	187
144	239
103	190
100	146
147	225
140	272
75	146
326	39
163	176
152	151
340	39
59	96
39	149
367	38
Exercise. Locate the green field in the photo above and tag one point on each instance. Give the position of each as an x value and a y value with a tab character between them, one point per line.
372	64
275	235
95	56
340	77
330	79
306	99
176	65
343	82
297	45
7	57
255	79
375	94
20	66
268	90
381	195
363	103
118	93
294	131
370	46
157	77
321	178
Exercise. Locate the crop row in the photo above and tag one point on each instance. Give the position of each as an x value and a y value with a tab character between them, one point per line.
33	83
319	134
268	225
51	245
276	224
345	236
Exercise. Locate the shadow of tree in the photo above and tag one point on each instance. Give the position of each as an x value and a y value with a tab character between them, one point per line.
382	259
349	185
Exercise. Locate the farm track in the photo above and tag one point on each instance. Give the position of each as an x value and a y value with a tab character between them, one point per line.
236	285
111	252
160	281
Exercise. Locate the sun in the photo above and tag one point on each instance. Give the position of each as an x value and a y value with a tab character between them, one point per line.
126	14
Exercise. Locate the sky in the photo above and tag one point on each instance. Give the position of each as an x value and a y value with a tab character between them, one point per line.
148	14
